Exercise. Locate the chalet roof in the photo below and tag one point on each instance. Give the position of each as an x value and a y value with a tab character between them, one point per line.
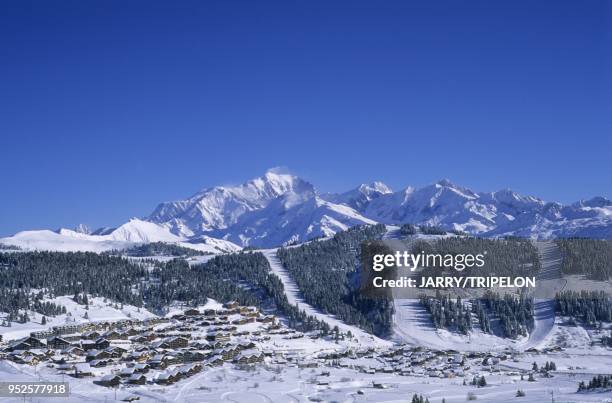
17	343
82	367
250	354
56	338
127	371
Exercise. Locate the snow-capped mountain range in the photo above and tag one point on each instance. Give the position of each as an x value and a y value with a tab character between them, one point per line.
279	208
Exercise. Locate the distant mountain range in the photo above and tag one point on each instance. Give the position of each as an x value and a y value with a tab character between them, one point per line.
278	208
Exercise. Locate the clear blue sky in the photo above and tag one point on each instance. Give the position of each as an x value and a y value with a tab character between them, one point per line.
109	107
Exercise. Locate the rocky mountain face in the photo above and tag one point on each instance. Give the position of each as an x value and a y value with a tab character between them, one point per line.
280	208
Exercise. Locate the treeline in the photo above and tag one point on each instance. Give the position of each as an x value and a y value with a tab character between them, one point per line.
591	257
67	273
589	307
448	314
432	230
243	277
326	274
515	313
29	277
251	271
13	302
501	256
483	318
408	229
598	382
159	249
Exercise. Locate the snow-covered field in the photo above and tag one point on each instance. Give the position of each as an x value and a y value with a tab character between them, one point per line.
98	310
134	232
423	367
288	383
376	376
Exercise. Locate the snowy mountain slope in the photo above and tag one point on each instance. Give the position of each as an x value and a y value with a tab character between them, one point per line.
279	208
554	220
294	297
99	309
131	233
360	197
492	214
271	210
221	206
292	219
442	203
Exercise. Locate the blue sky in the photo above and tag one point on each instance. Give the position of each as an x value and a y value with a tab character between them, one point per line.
109	107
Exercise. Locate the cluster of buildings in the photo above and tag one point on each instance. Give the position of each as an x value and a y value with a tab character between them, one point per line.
167	350
157	350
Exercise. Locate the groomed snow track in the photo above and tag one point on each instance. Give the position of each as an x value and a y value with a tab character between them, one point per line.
294	296
413	325
549	277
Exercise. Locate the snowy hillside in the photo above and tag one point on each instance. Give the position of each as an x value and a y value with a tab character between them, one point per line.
492	214
360	197
131	233
290	219
99	309
221	206
279	208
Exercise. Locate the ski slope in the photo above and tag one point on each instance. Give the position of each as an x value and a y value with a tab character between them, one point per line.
549	282
413	325
294	297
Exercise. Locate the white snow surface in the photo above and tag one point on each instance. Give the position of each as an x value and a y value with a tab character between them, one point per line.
280	208
97	311
295	298
134	232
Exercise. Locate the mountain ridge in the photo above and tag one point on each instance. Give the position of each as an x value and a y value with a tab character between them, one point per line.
278	208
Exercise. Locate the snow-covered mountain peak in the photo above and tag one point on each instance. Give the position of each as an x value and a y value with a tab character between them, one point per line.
360	197
375	187
82	229
136	230
444	182
279	207
443	185
597	201
509	197
220	207
275	182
